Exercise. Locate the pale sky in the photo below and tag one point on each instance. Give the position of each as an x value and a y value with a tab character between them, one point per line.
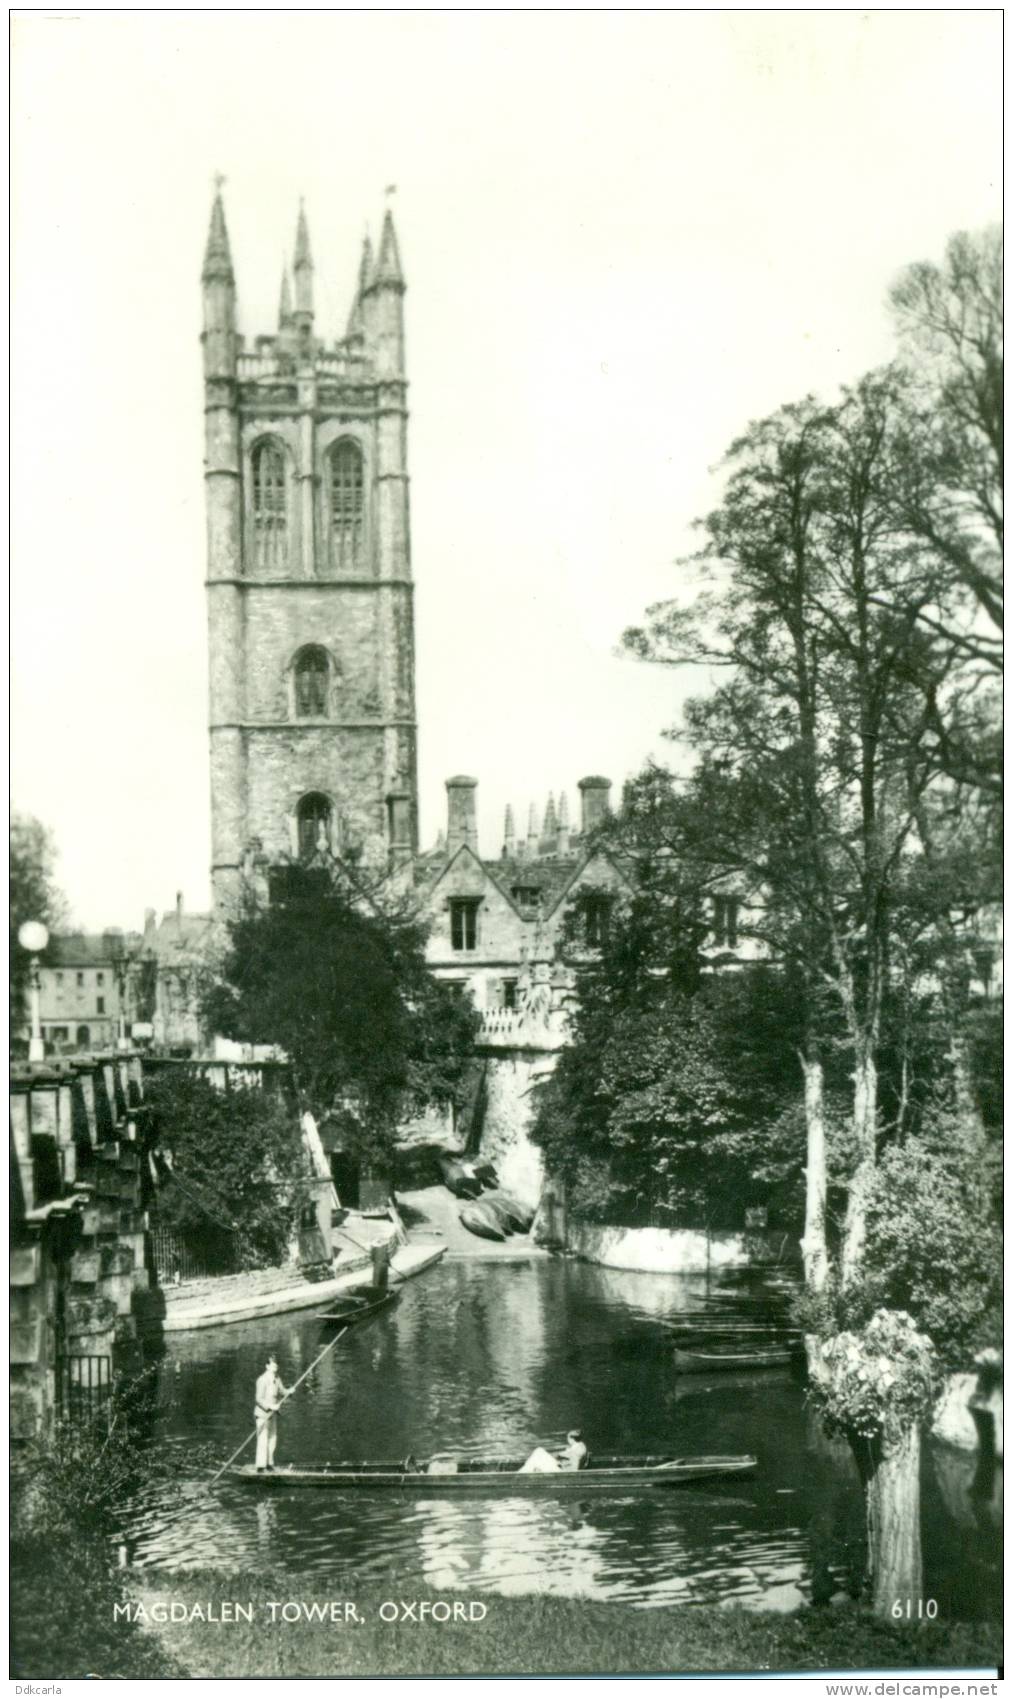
624	235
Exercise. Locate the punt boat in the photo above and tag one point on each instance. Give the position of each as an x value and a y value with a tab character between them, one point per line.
498	1475
706	1362
353	1307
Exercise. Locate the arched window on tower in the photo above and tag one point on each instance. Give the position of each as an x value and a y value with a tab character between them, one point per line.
345	498
313	817
312	676
270	505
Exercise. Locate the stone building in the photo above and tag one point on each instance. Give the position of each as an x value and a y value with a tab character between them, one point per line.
310	620
175	953
85	986
493	919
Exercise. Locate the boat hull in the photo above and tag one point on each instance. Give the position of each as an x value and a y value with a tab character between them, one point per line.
701	1362
350	1314
480	1221
500	1476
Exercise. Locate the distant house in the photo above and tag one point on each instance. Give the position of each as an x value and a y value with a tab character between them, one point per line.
175	952
85	986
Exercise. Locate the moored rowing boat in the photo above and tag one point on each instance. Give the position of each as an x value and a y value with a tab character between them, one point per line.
500	1475
697	1362
354	1307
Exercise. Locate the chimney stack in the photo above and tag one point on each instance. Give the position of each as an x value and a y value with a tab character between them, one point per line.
563	838
509	834
532	844
594	802
461	822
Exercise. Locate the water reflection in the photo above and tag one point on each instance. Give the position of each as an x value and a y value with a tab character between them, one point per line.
490	1360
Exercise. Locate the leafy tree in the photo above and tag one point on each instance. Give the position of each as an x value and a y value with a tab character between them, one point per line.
934	1246
949	320
33	896
849	758
343	988
239	1178
669	1102
819	736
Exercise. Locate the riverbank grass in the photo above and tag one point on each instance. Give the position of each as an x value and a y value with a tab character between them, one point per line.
527	1635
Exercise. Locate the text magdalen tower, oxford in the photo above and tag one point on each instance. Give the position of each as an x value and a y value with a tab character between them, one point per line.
310	627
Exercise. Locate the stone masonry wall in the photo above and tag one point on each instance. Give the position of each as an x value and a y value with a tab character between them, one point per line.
78	1274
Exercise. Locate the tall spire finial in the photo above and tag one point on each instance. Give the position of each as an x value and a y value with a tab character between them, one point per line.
217	255
388	260
362	284
302	265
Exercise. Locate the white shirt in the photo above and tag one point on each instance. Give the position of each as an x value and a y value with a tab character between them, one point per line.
269	1391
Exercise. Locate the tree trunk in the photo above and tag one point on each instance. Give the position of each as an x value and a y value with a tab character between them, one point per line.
963	1088
893	1521
864	1113
814	1237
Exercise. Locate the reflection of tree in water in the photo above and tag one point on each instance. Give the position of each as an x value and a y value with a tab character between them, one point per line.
836	1523
267	1527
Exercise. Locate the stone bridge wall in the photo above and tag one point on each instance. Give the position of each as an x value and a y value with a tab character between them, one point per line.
79	1187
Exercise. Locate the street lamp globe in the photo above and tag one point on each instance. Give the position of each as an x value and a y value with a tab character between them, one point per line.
33	936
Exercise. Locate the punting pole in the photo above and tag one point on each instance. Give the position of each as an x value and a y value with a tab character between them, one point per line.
250	1437
397	1275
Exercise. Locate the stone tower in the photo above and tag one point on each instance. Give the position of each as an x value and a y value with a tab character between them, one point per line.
310	622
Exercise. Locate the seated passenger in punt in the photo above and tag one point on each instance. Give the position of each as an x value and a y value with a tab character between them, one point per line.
575	1451
573	1456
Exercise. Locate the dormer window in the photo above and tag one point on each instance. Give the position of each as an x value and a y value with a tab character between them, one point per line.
526	896
725	922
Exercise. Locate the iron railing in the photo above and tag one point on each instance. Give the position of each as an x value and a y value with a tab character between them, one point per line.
175	1260
84	1386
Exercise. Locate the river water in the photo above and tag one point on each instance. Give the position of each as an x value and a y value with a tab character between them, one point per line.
492	1359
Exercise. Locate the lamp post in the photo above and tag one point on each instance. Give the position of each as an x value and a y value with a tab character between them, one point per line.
122	1041
33	937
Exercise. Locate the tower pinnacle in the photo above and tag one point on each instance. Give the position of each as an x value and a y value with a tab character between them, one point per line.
217	255
302	265
364	280
388	263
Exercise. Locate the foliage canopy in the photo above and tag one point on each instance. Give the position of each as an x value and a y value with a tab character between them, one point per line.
342	988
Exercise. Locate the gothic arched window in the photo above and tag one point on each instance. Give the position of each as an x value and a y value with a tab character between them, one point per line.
313	817
270	503
345	494
312	674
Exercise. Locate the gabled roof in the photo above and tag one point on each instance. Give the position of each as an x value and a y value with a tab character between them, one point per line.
178	935
552	876
89	949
